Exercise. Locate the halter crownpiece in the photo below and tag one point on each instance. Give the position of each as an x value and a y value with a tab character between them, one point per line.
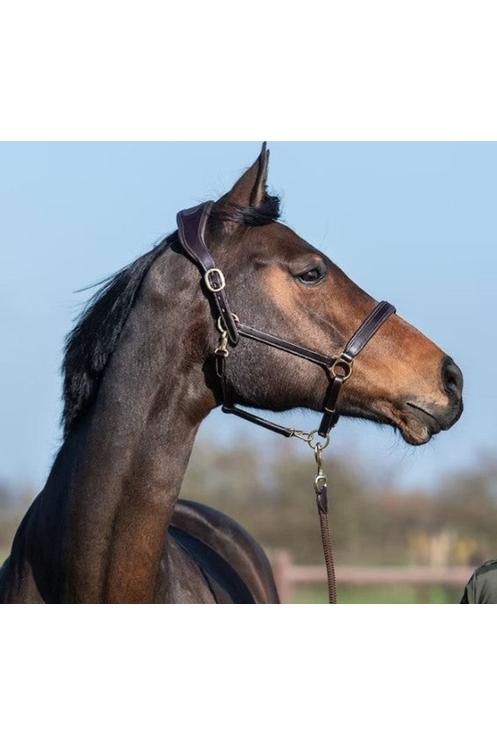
191	229
339	368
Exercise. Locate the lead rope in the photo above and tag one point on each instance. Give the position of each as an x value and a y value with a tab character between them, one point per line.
221	353
321	490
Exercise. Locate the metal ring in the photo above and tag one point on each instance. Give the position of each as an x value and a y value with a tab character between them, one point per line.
314	442
220	323
341	362
207	280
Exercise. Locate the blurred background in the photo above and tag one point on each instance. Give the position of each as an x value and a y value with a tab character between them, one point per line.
410	222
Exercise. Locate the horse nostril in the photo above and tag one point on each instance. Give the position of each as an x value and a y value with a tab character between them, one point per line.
452	377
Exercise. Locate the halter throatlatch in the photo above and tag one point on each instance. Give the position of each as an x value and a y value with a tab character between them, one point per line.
191	231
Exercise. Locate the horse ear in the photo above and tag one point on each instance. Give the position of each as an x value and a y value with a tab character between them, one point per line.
250	188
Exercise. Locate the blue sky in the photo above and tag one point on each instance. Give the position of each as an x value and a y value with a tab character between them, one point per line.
411	222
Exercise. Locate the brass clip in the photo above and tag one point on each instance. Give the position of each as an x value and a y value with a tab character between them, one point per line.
222	348
320	480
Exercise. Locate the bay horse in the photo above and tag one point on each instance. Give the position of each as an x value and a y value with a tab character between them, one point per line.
139	378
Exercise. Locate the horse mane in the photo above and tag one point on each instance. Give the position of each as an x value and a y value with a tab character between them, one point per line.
91	343
267	212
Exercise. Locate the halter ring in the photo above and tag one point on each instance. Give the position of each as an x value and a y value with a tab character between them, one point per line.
344	364
220	323
314	442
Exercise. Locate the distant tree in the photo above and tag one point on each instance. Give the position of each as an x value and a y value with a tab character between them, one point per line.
269	490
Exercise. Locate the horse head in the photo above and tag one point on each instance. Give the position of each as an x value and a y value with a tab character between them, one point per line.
278	282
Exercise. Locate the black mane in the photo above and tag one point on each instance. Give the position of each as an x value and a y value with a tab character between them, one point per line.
267	212
94	338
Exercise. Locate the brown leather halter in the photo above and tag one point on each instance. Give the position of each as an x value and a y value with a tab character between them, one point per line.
191	230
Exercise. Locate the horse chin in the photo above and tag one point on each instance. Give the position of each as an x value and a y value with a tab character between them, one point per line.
416	426
415	433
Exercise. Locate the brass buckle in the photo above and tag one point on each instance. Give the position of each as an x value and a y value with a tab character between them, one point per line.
208	282
344	364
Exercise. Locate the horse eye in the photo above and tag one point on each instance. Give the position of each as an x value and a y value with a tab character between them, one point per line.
311	276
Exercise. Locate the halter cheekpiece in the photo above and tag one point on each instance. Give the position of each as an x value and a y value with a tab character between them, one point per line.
191	230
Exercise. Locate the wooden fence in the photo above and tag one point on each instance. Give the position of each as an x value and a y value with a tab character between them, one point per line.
289	577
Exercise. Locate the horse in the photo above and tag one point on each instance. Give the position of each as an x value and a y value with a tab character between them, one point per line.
140	377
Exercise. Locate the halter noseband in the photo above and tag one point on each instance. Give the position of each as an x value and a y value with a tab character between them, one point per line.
191	229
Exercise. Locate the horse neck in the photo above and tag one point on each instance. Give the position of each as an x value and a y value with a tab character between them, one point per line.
121	470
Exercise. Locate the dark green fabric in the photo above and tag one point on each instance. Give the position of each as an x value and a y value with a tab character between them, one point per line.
482	586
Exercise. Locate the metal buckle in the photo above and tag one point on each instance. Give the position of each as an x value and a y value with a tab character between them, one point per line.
208	282
346	364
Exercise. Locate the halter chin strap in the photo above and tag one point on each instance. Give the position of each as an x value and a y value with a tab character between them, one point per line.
191	229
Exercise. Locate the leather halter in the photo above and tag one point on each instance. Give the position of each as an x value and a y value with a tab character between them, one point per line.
191	229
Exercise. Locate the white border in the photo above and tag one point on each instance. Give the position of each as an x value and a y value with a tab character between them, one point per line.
225	71
222	71
246	675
